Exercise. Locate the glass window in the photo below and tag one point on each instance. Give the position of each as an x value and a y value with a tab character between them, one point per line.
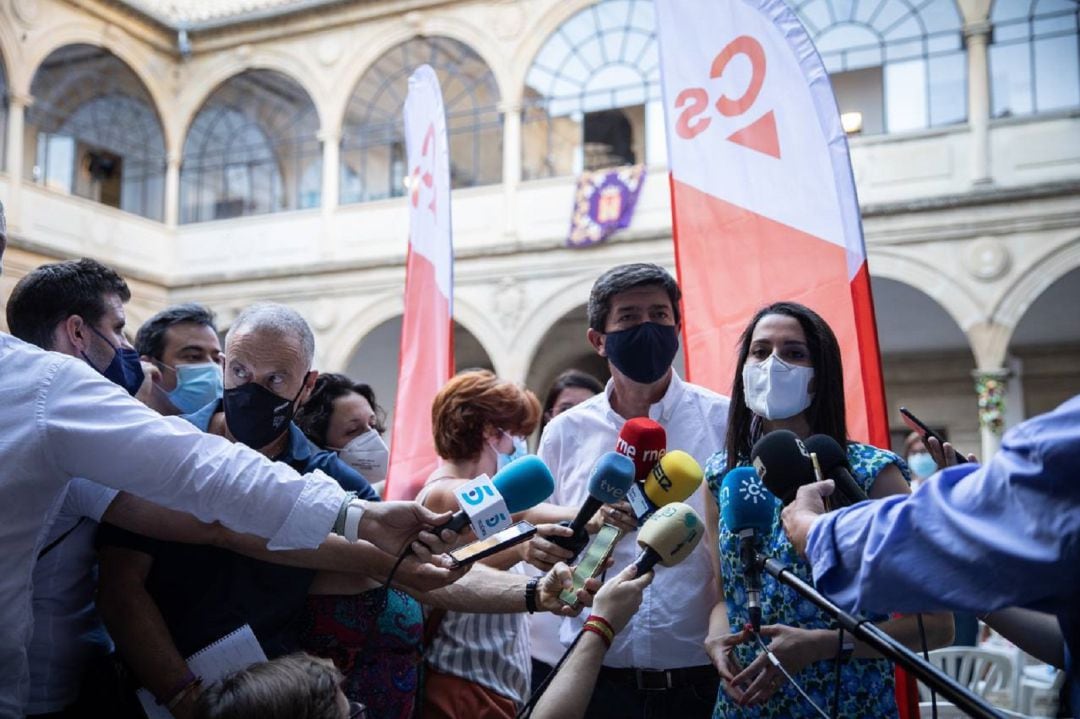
373	137
95	131
914	50
1034	56
597	75
251	149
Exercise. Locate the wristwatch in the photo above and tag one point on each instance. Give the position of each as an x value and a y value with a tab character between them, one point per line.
348	519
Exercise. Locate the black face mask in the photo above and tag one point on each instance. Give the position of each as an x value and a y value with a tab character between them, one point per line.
643	353
256	416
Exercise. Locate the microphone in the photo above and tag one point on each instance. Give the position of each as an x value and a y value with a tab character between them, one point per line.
611	477
783	463
673	479
747	510
668	536
834	465
644	441
522	484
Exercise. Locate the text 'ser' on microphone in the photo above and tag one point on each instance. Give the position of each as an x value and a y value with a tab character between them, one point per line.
675	478
611	477
488	503
668	537
834	465
644	441
746	510
783	463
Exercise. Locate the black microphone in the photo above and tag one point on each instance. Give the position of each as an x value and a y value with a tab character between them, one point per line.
834	466
783	463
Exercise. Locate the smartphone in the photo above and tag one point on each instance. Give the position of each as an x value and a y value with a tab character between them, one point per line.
497	542
592	563
917	425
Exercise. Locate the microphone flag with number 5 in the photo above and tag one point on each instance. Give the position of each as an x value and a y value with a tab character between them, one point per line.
763	198
427	333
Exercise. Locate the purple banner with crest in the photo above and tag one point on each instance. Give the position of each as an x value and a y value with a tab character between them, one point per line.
604	203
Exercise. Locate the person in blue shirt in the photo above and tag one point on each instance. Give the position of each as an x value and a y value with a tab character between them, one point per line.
1003	537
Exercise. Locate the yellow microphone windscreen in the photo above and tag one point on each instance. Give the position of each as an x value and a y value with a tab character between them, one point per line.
674	478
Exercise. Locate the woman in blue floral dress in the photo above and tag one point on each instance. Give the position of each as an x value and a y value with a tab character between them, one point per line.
790	377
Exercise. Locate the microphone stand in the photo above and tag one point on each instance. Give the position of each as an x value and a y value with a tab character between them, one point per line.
865	631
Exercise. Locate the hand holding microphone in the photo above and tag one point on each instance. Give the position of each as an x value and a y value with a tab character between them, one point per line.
798	517
610	479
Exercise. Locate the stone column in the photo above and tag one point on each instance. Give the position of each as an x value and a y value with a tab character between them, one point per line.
172	190
331	172
17	105
978	39
511	112
990	388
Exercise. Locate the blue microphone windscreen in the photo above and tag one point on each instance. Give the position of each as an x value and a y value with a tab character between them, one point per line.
611	477
524	483
745	503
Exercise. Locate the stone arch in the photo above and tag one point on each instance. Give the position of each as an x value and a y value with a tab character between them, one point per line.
960	304
192	101
1021	294
355	66
139	59
541	30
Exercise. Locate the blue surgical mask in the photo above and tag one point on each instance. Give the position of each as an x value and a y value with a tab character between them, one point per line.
197	385
520	450
922	465
125	368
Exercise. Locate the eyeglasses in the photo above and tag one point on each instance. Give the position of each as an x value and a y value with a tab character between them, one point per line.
357	710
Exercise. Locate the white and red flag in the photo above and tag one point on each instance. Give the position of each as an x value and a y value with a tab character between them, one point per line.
763	198
427	333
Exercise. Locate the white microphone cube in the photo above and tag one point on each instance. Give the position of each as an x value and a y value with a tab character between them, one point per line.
484	505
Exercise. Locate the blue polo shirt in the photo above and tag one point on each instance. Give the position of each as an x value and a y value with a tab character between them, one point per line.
205	592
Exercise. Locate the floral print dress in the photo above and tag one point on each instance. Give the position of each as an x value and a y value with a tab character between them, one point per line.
866	685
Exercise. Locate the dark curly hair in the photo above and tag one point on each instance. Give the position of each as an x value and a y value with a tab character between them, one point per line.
474	401
313	418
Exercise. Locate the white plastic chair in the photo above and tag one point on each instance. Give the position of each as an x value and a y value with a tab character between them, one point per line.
985	672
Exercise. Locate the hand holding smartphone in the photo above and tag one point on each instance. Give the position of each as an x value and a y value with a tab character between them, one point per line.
592	563
497	542
925	432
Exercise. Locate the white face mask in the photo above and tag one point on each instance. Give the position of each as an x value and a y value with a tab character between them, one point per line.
775	389
368	455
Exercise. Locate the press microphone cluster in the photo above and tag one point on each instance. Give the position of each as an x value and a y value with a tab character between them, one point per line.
747	510
783	463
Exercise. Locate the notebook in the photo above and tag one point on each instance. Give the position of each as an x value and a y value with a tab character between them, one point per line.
236	650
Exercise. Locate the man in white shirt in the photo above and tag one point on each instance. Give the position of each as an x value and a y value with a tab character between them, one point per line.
61	419
658	666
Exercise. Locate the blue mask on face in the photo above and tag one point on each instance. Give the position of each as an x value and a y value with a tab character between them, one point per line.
197	385
643	353
125	369
520	450
922	465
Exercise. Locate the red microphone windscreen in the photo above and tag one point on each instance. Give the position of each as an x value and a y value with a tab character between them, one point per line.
643	441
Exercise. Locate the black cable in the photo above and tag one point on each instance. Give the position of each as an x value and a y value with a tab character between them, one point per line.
535	697
776	663
836	680
926	656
